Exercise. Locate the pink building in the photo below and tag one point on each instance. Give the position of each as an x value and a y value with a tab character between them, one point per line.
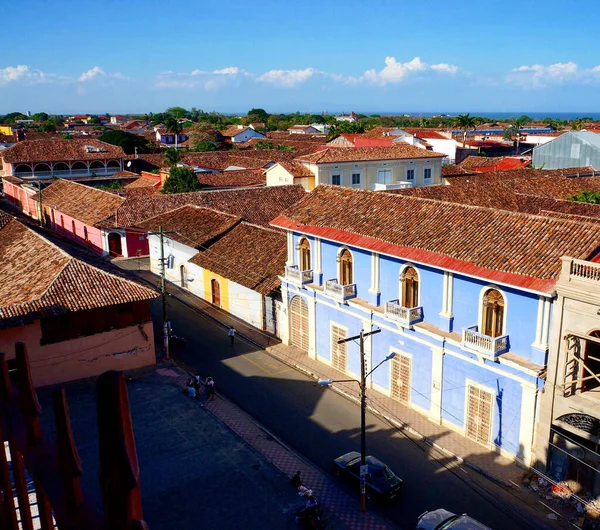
78	316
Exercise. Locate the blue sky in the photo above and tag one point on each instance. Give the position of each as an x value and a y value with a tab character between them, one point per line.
64	56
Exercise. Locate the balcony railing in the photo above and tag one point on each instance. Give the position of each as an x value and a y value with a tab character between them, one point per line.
295	275
583	270
340	292
67	173
400	185
404	315
489	346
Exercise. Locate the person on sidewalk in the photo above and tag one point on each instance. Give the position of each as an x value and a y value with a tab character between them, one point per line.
231	334
196	385
210	388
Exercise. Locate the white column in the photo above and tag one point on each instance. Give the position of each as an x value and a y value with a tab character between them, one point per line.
528	402
284	317
450	301
546	322
437	376
538	326
447	295
374	272
290	249
318	270
312	326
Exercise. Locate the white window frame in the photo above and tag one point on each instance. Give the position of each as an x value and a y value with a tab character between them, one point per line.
359	173
400	293
430	178
385	170
414	174
339	264
335	174
480	309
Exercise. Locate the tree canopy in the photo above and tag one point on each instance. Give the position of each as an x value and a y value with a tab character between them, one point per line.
127	141
172	156
181	180
591	197
40	116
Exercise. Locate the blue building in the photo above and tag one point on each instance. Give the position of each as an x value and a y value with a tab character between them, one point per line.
462	295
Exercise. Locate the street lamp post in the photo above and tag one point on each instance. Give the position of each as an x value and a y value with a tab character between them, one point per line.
363	406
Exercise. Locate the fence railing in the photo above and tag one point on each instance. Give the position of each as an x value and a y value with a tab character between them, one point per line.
404	315
584	270
338	291
490	346
67	173
294	274
56	467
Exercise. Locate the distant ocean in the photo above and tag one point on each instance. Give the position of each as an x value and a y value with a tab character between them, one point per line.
498	115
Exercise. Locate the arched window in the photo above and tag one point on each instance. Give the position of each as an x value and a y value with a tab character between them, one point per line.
493	313
410	288
305	255
346	276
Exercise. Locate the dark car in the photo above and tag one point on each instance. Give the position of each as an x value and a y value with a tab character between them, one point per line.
380	481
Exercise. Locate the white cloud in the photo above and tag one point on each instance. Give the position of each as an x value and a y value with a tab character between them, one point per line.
396	72
286	78
209	80
539	75
24	73
91	74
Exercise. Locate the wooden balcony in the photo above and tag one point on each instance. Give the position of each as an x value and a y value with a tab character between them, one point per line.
338	292
489	346
295	275
403	315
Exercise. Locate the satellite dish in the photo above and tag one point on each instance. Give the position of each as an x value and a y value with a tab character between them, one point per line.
129	164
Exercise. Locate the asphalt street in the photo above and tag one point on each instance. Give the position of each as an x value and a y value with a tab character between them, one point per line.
321	425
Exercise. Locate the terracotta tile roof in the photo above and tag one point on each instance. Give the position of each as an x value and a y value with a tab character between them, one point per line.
193	226
233	130
7	139
250	255
255	205
505	247
379	132
576	217
450	170
296	169
125	174
487	176
4	219
13	180
428	134
396	152
84	203
60	150
537	205
221	160
232	179
46	280
472	161
302	145
141	182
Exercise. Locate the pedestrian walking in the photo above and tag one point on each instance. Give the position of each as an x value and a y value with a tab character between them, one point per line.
210	388
196	384
231	334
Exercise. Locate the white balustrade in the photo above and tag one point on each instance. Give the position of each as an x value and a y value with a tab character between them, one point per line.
404	315
295	275
490	346
338	291
585	270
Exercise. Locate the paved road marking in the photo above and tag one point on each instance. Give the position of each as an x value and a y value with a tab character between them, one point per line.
269	367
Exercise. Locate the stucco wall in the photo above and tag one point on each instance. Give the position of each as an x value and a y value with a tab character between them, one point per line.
122	349
278	176
137	243
94	234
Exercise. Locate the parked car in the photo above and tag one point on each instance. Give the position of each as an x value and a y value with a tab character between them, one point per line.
444	520
381	481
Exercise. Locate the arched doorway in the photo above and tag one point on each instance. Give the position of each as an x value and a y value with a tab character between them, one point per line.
215	292
591	359
97	167
60	166
22	169
113	164
80	167
41	168
183	275
114	244
299	323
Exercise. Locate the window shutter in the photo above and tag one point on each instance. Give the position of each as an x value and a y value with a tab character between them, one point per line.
479	415
401	380
339	356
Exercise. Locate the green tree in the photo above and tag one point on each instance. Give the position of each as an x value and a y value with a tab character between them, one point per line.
127	141
181	180
177	112
114	185
592	197
205	145
172	156
48	126
67	136
465	122
258	115
93	120
40	116
173	126
263	144
11	117
513	131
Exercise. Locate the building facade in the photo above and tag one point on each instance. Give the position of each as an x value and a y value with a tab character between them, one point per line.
568	445
470	341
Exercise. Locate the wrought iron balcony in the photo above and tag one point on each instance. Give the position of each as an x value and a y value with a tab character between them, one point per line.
489	346
295	275
340	292
407	317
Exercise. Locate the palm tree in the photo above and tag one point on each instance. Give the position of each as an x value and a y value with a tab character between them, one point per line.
172	156
513	132
465	122
173	126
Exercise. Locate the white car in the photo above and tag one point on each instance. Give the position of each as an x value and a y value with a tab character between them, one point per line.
444	520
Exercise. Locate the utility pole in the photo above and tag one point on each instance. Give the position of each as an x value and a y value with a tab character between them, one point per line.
163	289
364	470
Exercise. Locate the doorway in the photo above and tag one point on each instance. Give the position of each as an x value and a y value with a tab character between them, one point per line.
215	291
114	244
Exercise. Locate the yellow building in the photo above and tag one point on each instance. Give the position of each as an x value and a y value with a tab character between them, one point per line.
369	168
6	130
